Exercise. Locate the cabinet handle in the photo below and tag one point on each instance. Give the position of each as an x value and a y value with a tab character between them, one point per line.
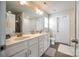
30	52
26	54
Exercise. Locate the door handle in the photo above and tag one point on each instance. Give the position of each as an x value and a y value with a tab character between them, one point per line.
75	41
26	54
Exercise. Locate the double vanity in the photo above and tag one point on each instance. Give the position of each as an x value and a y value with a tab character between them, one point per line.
27	45
19	22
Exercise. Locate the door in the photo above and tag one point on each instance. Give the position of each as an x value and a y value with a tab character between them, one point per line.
2	27
62	34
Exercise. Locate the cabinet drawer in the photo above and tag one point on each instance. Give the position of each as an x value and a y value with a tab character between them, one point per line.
33	41
41	42
41	47
15	48
41	38
33	51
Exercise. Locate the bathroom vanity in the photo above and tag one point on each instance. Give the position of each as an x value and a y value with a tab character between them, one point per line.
19	44
28	45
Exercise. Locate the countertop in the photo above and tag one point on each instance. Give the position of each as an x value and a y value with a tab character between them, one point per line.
14	39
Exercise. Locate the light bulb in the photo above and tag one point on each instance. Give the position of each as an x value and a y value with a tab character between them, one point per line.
38	11
41	12
23	2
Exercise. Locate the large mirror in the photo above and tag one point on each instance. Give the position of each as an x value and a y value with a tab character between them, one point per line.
23	19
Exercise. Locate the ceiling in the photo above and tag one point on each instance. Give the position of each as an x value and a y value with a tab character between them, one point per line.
54	6
49	7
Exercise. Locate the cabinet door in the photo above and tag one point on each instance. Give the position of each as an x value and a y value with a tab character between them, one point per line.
33	51
41	45
45	43
48	41
21	54
13	49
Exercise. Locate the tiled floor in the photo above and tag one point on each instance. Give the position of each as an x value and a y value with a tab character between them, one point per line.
57	54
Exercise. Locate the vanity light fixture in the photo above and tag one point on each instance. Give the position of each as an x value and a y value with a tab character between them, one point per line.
41	12
38	11
45	3
23	2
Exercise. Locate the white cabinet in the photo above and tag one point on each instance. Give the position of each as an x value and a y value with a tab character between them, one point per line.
32	41
33	51
16	48
48	40
33	48
44	43
41	45
23	53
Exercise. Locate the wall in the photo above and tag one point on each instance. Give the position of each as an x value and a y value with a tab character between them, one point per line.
37	23
46	22
70	14
26	24
72	24
2	25
32	24
40	24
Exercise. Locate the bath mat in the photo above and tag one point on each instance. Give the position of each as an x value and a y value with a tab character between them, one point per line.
66	49
51	52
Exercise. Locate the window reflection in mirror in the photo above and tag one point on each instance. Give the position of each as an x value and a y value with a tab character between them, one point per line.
46	24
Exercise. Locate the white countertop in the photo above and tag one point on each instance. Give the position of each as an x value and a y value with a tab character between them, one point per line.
15	39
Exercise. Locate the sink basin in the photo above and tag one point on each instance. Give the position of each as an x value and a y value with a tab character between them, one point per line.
22	37
26	37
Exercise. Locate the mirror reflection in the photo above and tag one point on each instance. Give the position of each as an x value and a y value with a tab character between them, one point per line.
23	19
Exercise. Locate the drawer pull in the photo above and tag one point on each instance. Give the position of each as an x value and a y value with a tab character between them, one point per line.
26	54
30	52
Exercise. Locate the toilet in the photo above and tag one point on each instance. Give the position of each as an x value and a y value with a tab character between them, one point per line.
52	40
